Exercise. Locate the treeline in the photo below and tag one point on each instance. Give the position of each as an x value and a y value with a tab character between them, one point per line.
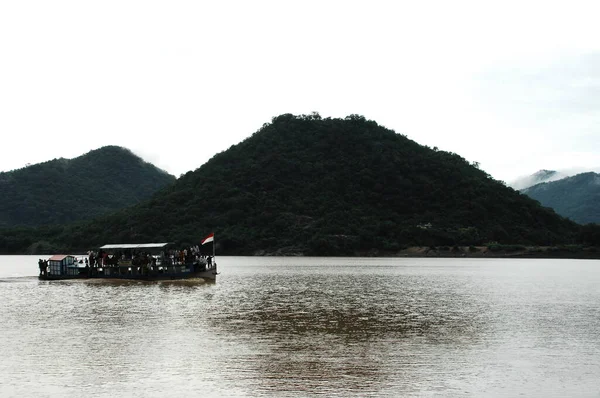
314	186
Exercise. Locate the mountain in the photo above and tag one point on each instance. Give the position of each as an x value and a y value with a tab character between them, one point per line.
577	197
311	186
64	191
537	178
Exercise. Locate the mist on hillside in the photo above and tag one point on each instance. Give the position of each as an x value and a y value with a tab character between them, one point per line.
547	176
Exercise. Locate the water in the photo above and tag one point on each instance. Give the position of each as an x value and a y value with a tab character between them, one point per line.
335	327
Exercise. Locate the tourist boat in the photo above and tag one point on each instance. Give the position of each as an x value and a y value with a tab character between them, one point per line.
143	261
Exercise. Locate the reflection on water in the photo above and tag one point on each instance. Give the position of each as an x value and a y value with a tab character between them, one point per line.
329	332
302	327
191	282
355	309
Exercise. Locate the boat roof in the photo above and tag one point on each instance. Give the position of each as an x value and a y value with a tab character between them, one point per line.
59	257
134	245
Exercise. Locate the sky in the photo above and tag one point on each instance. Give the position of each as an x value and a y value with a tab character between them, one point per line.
512	85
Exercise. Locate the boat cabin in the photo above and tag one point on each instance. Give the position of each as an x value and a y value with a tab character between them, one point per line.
63	264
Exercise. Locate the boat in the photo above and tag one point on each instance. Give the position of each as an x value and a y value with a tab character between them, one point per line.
132	261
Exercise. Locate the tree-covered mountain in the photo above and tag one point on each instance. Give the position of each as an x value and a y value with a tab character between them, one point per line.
67	190
307	185
577	197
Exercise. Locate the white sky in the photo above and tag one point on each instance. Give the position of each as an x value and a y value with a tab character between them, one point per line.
513	85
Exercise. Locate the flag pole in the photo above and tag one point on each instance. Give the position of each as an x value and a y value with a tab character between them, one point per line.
213	242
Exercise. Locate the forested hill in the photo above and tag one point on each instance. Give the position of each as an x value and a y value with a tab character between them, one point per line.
63	190
577	197
313	186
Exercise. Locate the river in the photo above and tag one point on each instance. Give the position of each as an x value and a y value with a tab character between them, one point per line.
302	327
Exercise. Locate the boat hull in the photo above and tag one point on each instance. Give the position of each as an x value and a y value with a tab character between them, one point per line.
207	273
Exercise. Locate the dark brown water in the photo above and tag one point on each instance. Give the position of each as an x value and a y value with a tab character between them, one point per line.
283	327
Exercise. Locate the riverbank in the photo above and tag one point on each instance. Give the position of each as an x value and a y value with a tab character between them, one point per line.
487	251
501	251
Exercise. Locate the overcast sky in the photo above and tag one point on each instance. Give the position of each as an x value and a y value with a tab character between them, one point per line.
514	86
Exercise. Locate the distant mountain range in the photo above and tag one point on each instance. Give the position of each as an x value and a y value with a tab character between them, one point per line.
304	185
63	191
576	197
536	178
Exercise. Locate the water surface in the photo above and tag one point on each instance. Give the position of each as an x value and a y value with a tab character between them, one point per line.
276	327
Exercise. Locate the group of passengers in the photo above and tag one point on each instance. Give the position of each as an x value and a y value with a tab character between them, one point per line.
187	255
43	265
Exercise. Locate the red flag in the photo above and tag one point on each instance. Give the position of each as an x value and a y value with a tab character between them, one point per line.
209	238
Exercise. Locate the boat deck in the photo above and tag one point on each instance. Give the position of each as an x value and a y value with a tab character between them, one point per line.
128	271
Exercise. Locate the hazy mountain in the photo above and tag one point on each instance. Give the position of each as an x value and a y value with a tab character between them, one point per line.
577	197
306	185
63	190
536	178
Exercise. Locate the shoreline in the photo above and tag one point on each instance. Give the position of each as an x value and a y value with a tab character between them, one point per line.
490	251
546	252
